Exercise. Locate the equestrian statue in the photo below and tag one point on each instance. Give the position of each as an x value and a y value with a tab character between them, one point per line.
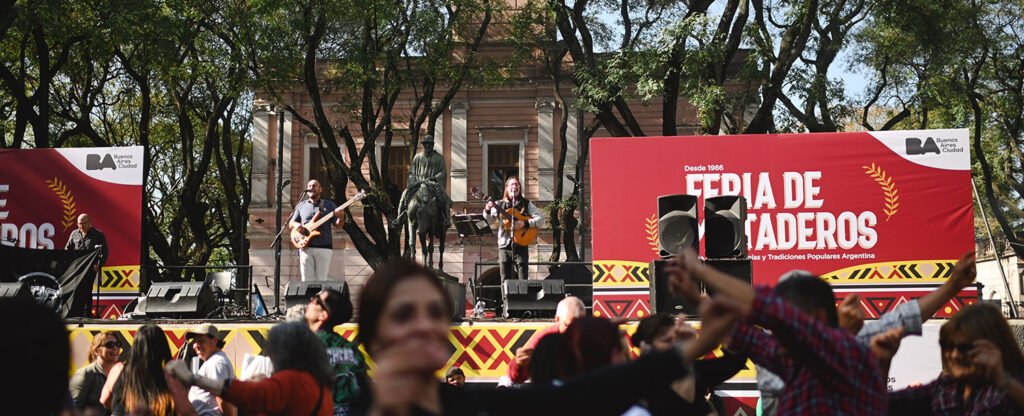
425	205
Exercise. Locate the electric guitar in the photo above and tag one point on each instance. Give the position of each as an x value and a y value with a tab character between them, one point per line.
524	236
302	234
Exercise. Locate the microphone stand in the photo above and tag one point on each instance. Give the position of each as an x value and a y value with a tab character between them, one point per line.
276	245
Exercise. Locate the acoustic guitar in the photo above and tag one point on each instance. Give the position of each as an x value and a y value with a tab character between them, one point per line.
524	236
302	234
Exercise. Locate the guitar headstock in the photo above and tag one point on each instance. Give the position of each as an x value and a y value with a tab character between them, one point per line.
359	196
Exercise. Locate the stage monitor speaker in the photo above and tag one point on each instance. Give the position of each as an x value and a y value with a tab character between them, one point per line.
662	299
725	232
742	269
299	293
457	295
180	300
531	298
16	290
677	224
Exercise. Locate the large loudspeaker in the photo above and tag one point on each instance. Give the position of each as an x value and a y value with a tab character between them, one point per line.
677	224
299	293
457	295
662	299
16	290
531	298
725	234
180	300
742	269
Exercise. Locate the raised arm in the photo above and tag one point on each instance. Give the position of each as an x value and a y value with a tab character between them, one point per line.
963	275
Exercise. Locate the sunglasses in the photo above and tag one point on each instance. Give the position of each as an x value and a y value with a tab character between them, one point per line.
111	344
317	300
963	348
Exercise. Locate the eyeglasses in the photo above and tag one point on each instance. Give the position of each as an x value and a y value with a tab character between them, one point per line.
316	299
963	348
111	344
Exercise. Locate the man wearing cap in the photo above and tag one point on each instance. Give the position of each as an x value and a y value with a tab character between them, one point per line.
206	342
325	310
428	168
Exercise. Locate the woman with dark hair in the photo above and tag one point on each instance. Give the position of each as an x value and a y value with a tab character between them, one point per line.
982	370
591	343
300	385
140	386
688	396
546	360
403	323
87	382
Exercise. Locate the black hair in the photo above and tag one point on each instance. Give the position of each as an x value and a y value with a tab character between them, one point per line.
40	358
292	346
546	358
338	306
809	293
651	327
143	374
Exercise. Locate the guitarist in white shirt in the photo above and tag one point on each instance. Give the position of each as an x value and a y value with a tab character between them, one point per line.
513	258
315	257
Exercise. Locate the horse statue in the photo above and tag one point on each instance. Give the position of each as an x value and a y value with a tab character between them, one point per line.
426	222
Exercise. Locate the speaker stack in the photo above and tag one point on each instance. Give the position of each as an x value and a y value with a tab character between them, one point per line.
725	243
179	300
299	293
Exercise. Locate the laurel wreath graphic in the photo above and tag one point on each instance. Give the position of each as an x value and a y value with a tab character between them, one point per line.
67	201
651	224
892	197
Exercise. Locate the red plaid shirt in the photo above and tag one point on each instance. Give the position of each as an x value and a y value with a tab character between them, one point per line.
944	396
826	370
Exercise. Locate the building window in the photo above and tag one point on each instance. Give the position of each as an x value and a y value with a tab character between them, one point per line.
399	160
503	161
318	170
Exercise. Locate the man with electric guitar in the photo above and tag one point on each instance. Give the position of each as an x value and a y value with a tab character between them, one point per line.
520	220
311	231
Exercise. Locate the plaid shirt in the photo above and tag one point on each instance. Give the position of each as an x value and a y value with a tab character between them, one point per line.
943	396
826	370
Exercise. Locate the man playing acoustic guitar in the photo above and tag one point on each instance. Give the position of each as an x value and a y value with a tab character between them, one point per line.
518	216
315	256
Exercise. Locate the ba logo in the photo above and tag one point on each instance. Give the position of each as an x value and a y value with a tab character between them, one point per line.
914	146
93	162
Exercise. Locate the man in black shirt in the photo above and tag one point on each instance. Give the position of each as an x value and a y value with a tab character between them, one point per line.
87	237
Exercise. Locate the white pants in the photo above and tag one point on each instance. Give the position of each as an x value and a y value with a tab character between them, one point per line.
315	263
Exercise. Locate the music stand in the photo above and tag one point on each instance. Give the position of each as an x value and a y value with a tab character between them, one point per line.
473	225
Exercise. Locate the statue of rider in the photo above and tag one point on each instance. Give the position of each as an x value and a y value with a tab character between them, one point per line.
427	167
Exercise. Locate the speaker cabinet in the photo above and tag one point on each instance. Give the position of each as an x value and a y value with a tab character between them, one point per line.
677	224
725	233
742	269
193	300
299	293
457	295
662	299
15	290
531	298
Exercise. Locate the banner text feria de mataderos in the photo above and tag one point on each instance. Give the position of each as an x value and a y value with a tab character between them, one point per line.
42	192
883	214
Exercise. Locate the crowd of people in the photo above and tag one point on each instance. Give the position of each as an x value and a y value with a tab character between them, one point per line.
814	357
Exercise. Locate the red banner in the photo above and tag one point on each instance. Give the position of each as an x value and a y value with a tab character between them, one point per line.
42	192
872	211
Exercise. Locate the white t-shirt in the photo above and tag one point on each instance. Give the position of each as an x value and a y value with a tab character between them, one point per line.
218	367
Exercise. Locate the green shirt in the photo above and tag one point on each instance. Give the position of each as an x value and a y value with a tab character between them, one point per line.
349	369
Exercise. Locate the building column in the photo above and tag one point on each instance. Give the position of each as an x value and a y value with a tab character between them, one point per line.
260	155
545	147
286	174
459	172
571	149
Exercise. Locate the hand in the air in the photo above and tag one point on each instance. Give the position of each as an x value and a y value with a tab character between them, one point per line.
682	280
851	316
885	345
964	271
